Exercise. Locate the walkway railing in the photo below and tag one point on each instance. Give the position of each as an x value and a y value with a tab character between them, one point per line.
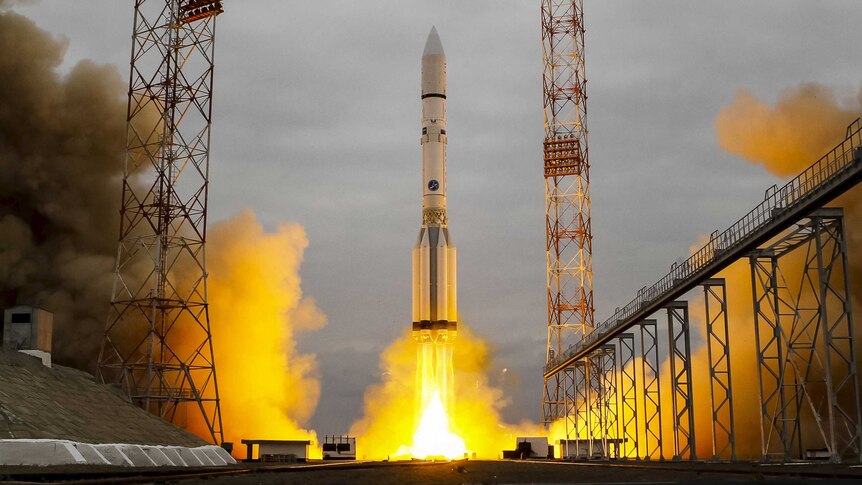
835	173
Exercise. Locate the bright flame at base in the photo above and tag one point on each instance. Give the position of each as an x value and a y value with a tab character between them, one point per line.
433	438
395	407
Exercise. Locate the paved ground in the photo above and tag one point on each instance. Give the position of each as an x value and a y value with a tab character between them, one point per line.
472	472
502	472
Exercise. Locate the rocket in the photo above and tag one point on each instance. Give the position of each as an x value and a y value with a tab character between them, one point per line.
434	287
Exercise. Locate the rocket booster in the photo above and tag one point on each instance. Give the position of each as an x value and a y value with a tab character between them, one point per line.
434	272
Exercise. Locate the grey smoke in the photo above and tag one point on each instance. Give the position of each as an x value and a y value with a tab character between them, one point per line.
61	149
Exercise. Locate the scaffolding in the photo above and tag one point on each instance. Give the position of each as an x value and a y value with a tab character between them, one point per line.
157	344
804	333
802	325
567	191
830	176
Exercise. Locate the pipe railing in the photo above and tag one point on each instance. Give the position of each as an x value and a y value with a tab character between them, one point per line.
817	181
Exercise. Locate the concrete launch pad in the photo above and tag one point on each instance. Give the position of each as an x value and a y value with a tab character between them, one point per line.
502	472
466	472
59	415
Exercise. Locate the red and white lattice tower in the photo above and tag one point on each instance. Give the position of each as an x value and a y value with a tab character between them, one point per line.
158	344
567	190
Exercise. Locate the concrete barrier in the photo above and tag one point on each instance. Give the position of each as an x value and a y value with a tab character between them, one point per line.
45	452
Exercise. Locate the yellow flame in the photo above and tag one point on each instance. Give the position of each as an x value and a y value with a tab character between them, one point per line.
433	438
387	427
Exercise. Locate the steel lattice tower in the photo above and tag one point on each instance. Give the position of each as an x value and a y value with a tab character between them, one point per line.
157	343
567	189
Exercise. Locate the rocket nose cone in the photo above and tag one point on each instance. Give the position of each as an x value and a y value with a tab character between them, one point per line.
433	46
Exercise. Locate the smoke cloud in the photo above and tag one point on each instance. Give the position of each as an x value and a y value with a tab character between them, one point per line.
61	167
804	123
267	387
788	137
61	148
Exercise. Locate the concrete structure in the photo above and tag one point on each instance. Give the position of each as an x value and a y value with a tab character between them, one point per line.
28	330
339	448
47	452
538	446
277	450
588	449
59	415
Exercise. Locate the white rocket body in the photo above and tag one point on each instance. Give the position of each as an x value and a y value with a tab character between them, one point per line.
434	271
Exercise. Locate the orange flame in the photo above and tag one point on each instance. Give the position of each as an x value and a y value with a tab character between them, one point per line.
389	430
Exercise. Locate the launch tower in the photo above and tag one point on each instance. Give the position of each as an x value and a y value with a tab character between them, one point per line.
567	190
157	343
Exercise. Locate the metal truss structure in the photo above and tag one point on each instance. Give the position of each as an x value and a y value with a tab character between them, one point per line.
803	332
567	190
580	398
835	173
651	388
627	392
157	344
606	398
718	350
593	416
572	416
679	338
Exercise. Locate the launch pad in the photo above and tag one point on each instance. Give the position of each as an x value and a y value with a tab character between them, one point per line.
428	472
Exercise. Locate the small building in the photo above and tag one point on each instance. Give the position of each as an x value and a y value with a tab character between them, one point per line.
339	448
29	330
535	447
277	451
538	446
585	449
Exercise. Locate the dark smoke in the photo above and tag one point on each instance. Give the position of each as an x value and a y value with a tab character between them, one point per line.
61	152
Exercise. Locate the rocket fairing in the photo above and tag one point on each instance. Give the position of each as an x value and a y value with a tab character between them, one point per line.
434	272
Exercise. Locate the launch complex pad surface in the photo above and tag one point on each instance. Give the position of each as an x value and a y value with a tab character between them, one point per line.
458	472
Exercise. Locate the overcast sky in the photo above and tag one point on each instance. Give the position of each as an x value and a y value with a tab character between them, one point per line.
317	121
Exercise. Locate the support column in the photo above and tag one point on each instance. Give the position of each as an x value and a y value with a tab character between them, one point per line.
680	368
627	397
844	422
721	390
806	357
610	432
571	411
582	410
597	407
779	411
653	448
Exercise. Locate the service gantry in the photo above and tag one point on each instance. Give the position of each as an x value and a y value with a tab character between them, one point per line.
158	344
567	190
